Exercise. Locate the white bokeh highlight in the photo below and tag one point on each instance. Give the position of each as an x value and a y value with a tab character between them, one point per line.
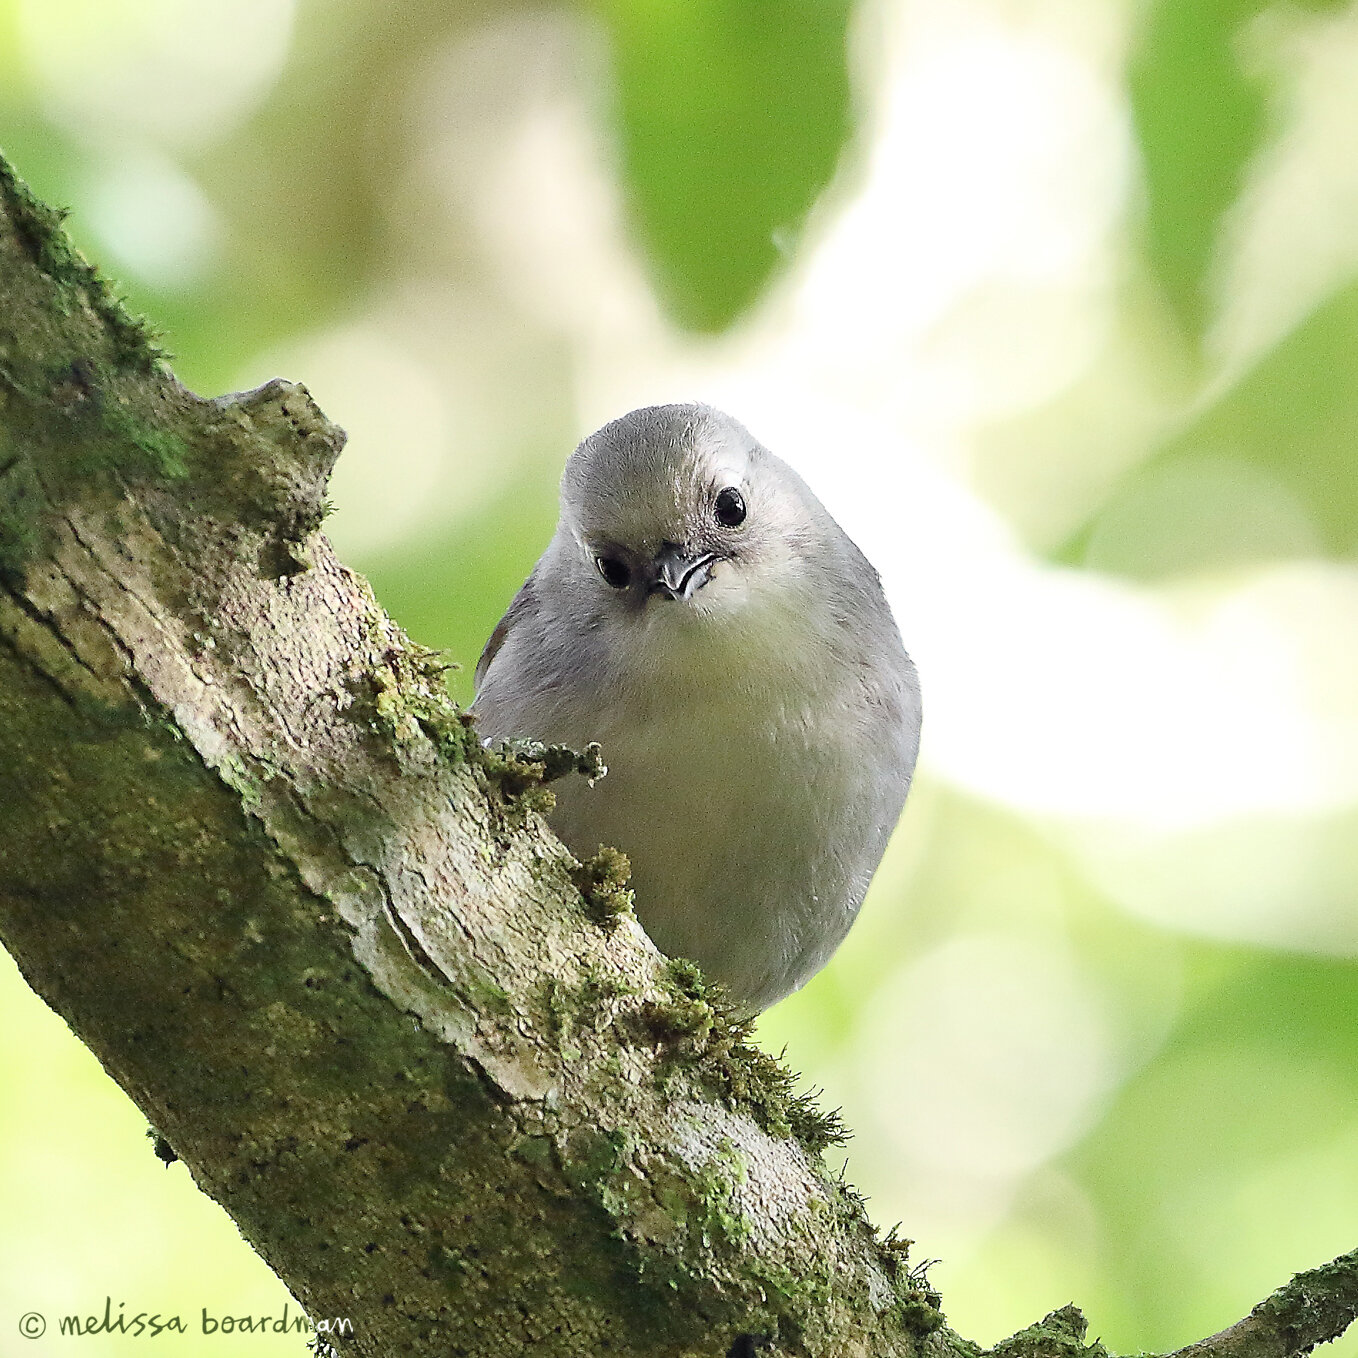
177	72
394	410
155	222
1002	1056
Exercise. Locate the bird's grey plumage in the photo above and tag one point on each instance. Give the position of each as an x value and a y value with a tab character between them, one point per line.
758	713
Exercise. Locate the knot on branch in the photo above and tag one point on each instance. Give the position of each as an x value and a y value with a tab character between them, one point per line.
88	401
284	451
1058	1335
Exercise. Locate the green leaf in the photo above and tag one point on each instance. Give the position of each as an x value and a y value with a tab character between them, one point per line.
1199	118
732	115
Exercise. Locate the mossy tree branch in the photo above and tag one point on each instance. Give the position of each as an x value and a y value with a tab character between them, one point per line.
254	856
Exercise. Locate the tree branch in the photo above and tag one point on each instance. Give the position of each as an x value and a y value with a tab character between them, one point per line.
255	857
1314	1308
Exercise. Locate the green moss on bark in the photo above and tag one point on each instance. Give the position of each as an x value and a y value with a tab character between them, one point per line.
1061	1334
708	1039
602	882
39	228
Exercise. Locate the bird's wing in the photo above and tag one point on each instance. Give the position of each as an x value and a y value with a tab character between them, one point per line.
522	603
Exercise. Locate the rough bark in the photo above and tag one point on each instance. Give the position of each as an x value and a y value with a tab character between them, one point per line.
256	858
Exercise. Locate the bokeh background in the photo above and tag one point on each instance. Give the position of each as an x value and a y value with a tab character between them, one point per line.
1055	302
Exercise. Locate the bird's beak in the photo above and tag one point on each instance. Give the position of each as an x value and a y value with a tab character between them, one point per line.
675	574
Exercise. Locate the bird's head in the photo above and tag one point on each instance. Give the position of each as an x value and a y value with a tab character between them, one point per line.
678	508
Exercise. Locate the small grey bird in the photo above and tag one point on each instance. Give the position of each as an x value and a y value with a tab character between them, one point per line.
700	614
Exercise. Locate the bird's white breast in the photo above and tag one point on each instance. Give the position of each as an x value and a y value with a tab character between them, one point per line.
736	746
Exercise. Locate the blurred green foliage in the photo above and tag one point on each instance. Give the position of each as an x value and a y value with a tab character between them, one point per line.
1201	113
452	593
731	116
1247	1116
1282	437
1199	117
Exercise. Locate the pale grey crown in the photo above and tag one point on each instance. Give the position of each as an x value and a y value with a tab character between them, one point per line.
653	477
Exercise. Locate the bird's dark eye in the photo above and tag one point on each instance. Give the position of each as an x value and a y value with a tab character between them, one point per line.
730	508
616	572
